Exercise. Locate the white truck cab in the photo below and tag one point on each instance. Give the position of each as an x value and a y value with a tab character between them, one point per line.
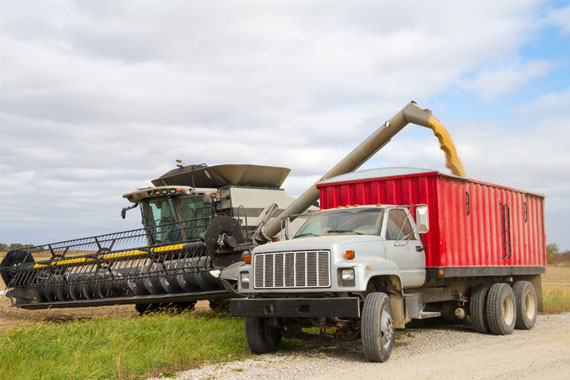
339	250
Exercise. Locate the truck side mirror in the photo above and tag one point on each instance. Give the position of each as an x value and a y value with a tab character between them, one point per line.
422	219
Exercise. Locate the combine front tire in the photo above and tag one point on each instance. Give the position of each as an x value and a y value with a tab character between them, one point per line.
377	327
262	336
525	297
501	309
220	305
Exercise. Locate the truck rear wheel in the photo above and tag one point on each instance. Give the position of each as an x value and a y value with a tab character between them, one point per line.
501	309
262	337
525	297
478	308
377	327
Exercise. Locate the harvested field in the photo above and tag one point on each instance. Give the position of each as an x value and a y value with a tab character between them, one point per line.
557	276
14	316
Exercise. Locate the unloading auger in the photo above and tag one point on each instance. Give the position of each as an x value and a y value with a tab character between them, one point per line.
198	221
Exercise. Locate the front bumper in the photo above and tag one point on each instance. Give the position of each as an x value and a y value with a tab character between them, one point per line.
342	307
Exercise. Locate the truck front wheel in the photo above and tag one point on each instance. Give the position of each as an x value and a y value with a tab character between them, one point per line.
377	327
262	336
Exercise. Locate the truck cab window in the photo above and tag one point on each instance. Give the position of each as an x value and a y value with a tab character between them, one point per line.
398	225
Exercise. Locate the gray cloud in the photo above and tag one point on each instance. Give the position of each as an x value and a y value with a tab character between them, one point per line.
99	97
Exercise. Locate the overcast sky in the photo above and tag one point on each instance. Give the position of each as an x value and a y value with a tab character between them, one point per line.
99	97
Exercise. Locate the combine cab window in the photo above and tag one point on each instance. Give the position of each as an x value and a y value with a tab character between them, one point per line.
348	221
159	215
194	208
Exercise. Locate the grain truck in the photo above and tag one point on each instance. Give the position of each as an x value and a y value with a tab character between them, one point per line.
393	245
198	222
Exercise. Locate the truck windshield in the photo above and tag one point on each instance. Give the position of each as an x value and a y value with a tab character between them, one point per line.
347	221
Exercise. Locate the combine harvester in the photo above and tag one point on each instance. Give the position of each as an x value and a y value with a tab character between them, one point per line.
198	223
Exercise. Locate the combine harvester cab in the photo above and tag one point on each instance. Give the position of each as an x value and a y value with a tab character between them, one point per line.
190	238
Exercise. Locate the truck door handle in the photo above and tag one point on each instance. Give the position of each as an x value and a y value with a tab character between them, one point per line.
420	248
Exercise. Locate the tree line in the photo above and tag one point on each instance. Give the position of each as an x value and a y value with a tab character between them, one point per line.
554	256
9	247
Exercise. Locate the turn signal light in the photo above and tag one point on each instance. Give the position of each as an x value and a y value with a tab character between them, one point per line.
275	239
349	255
247	259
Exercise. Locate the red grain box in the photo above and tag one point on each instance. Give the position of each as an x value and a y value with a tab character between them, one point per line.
475	228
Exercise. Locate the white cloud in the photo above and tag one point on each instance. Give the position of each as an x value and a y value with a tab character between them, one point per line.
491	84
560	17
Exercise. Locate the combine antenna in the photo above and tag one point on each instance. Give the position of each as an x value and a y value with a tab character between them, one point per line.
179	163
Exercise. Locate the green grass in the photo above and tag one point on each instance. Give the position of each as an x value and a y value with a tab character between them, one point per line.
556	300
122	348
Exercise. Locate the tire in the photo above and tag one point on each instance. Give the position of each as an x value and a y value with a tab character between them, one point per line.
220	305
527	310
176	307
478	308
261	336
377	327
146	308
501	309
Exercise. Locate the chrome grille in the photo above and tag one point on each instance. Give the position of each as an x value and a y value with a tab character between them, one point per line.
301	269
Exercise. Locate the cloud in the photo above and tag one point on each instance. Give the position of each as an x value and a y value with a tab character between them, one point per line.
491	84
560	18
98	98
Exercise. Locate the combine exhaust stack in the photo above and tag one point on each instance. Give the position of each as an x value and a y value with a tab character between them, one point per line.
198	221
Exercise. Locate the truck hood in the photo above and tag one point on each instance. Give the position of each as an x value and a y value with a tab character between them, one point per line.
317	242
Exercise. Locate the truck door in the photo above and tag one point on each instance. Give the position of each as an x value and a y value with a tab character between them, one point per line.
402	245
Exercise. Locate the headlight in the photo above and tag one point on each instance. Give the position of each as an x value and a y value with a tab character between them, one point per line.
347	274
346	277
244	280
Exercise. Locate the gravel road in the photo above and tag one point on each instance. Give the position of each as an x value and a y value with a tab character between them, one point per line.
430	351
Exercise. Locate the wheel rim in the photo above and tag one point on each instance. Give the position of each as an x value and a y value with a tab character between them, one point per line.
386	328
508	310
530	306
